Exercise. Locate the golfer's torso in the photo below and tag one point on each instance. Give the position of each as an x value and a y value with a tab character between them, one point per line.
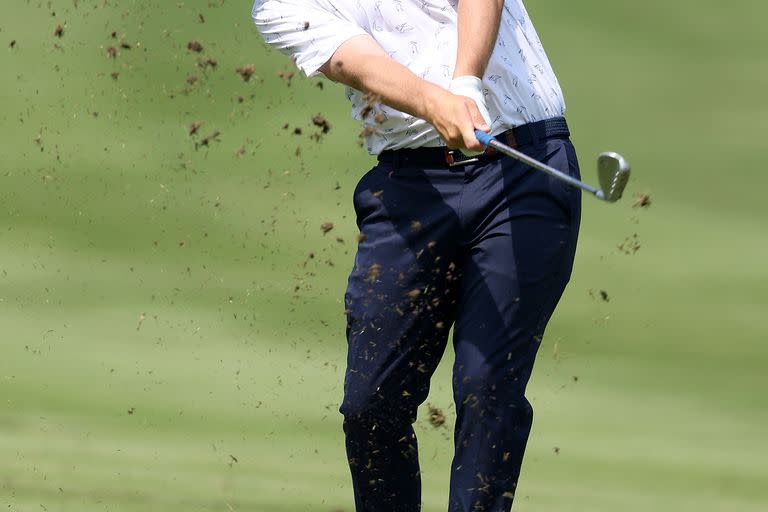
520	86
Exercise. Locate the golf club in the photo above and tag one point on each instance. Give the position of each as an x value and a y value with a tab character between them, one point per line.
612	169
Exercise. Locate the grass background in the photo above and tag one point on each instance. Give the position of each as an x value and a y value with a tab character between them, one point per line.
168	343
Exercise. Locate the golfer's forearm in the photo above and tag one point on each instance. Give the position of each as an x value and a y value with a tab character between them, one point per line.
361	64
478	26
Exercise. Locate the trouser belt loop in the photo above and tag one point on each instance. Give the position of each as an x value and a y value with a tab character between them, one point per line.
511	140
534	132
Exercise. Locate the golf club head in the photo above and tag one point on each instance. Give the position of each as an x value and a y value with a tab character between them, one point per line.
613	174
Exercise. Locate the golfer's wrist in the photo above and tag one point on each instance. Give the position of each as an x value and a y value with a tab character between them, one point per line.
433	101
468	83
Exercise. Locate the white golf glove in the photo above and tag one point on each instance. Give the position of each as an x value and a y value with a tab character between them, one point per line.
471	87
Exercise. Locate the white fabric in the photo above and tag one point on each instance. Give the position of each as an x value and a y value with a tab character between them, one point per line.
519	84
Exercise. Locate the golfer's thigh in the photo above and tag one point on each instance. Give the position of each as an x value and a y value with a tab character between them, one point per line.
399	300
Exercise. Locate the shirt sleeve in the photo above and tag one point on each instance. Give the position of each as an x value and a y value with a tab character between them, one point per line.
306	30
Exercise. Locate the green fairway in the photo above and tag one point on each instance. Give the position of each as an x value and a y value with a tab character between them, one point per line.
171	322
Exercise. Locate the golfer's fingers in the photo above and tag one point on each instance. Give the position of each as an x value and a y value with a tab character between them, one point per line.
475	121
456	142
454	135
477	117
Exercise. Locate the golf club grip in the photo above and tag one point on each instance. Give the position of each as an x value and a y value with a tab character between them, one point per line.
483	137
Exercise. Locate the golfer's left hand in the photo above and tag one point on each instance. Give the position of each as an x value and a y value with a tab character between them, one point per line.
472	88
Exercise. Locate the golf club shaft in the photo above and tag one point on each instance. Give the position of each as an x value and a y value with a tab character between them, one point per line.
489	140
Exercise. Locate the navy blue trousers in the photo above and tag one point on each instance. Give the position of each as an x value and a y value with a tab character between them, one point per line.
486	248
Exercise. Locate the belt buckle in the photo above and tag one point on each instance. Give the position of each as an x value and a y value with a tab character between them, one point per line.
450	158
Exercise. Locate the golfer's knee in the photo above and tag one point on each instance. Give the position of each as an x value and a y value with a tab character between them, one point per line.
366	406
484	387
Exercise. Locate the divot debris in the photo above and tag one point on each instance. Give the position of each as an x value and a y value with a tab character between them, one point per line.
321	122
246	71
436	416
641	200
195	46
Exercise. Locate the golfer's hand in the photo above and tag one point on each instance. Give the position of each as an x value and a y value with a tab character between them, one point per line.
460	112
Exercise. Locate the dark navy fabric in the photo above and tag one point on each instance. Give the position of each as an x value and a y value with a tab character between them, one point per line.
486	248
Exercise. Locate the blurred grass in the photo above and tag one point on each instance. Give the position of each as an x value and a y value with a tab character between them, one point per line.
160	315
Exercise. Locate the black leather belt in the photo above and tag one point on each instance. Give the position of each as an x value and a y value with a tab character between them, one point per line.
520	136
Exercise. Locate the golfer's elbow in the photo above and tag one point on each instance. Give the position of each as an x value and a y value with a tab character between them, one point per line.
333	70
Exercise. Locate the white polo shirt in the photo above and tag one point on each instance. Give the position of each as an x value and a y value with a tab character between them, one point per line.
519	84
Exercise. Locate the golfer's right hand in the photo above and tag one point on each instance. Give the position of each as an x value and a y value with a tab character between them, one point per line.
460	111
